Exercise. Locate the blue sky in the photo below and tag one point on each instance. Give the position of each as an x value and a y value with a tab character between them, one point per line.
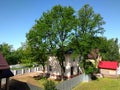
18	16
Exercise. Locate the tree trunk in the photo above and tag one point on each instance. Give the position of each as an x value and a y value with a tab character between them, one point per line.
43	70
62	71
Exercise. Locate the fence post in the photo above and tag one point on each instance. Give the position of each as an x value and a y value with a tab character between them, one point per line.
34	69
29	70
15	72
22	71
37	68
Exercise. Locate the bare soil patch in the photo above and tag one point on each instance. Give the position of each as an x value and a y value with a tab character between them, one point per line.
28	78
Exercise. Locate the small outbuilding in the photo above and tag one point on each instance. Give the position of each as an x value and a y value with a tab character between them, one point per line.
4	72
108	68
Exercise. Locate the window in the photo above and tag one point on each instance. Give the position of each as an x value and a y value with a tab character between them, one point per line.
73	59
50	68
64	69
72	68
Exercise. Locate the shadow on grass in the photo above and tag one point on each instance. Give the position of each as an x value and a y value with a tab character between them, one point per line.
93	77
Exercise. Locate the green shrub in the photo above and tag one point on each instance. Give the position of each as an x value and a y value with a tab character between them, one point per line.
90	68
49	85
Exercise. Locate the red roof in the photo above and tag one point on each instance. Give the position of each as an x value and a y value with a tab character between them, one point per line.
3	63
108	65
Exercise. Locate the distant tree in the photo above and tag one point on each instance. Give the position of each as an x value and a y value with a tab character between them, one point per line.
5	48
8	53
109	49
26	54
38	45
113	50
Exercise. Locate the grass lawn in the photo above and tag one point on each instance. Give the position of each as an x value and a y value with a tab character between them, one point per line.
100	84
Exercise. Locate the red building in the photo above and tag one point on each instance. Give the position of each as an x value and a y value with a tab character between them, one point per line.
108	68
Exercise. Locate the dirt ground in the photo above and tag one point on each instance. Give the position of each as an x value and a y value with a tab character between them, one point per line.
28	77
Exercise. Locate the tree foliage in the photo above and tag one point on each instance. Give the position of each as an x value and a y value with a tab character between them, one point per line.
109	48
89	23
63	23
51	33
50	85
60	29
89	26
38	45
25	53
10	55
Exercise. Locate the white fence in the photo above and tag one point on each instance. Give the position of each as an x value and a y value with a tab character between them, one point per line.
66	85
26	70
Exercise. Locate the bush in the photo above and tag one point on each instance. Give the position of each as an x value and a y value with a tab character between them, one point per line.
90	68
49	85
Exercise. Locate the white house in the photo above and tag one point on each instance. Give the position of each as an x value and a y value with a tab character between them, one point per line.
71	66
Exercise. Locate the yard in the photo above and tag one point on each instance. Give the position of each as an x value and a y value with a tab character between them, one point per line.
28	78
100	84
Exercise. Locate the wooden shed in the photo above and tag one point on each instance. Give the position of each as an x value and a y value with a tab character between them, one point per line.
108	68
4	72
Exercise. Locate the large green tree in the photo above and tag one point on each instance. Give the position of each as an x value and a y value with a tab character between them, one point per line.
51	34
38	45
89	26
63	24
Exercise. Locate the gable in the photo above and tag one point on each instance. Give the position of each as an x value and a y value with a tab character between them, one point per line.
3	63
108	65
6	73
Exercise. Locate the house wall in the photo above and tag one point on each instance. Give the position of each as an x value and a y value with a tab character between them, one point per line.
71	66
53	67
118	69
108	72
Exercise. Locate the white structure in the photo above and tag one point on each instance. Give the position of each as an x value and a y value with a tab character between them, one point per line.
118	69
71	66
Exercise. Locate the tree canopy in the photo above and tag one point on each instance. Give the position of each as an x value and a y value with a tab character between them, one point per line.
10	55
61	28
51	33
89	27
